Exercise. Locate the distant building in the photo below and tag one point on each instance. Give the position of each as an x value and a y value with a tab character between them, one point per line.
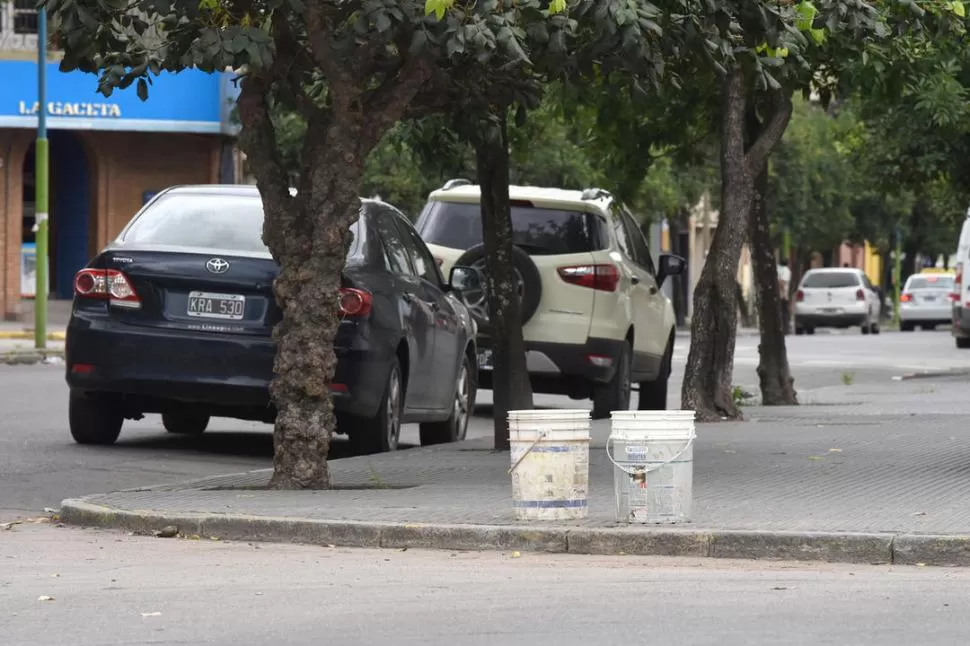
109	155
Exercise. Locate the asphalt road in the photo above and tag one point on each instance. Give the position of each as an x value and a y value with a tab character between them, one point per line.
40	465
86	588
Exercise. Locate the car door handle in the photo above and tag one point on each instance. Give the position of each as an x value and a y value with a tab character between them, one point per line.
653	290
635	280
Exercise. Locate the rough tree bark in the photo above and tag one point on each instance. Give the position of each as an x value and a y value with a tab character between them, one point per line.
511	389
308	235
774	373
710	362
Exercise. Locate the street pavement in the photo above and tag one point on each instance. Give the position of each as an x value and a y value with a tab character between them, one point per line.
40	465
111	589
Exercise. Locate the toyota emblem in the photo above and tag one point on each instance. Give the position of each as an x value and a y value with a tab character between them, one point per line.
217	265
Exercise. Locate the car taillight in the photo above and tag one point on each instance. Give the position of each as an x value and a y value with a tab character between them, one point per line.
106	284
603	277
905	298
957	283
860	295
355	302
799	296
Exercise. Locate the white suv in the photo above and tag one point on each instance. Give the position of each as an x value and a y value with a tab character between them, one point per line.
594	318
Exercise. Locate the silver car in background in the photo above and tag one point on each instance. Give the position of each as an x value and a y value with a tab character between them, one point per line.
926	301
838	297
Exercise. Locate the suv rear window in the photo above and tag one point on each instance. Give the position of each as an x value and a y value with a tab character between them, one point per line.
930	282
207	221
831	279
539	231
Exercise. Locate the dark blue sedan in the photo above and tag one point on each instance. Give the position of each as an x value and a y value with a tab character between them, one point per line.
176	315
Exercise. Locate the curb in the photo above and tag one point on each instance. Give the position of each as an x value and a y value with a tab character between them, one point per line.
930	374
863	548
25	335
29	356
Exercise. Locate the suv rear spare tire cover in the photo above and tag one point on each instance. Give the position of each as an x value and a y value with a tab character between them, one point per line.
528	272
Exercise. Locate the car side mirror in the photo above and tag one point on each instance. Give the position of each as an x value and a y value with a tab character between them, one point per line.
670	265
464	279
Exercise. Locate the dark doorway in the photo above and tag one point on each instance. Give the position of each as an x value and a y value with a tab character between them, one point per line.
70	209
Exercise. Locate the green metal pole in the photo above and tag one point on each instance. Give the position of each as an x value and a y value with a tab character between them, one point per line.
41	179
897	274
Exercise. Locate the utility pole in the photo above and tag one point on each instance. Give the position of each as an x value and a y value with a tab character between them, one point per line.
41	184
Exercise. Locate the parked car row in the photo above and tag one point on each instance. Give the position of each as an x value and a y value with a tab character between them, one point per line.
175	316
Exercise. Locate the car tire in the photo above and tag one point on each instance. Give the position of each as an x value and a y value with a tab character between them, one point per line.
455	427
866	327
963	343
929	327
531	285
94	419
874	328
799	331
906	327
615	394
653	394
185	422
382	432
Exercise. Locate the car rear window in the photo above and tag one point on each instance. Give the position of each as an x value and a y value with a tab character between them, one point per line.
930	282
539	231
831	279
207	221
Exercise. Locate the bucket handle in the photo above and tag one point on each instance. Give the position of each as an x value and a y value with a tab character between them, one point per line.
542	435
631	472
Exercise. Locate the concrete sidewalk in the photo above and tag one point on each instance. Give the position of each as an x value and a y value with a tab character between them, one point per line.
865	474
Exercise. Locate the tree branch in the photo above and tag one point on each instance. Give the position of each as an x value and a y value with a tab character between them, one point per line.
760	150
320	30
258	139
389	101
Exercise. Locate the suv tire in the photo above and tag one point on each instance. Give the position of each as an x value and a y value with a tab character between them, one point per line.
653	394
185	422
94	419
615	394
531	284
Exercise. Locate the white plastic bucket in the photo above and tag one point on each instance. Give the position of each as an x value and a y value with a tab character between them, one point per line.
653	465
550	463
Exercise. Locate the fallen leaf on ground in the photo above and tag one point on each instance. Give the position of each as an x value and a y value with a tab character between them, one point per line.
779	587
45	597
55	575
50	510
169	531
920	513
9	526
151	614
730	451
921	565
516	555
815	457
835	450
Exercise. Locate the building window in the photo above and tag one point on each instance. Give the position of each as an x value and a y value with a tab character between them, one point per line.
25	16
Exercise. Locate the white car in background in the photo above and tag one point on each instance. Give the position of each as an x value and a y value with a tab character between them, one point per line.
840	297
926	301
594	318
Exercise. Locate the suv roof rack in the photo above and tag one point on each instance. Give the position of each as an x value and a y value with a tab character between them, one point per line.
595	194
452	183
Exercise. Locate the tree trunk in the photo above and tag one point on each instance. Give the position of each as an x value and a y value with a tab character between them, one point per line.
707	385
774	373
511	389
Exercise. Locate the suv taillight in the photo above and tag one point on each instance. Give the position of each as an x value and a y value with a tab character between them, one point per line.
860	295
905	298
108	285
603	277
799	296
957	283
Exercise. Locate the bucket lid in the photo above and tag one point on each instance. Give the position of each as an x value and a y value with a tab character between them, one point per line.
548	415
652	415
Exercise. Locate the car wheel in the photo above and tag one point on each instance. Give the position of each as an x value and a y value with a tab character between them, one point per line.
963	343
455	427
929	327
382	432
615	395
94	419
906	327
530	286
874	328
653	394
799	331
185	422
866	327
809	330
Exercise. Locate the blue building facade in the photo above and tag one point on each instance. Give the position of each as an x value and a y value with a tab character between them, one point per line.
108	155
